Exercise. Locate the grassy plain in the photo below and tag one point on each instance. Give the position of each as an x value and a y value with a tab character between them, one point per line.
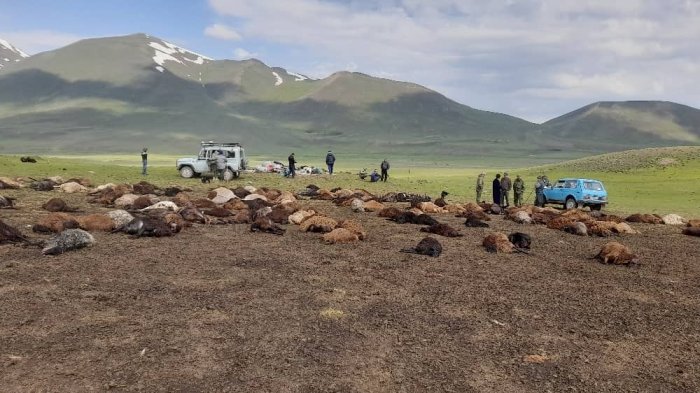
660	181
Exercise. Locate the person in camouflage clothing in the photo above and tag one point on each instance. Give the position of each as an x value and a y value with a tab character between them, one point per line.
479	186
506	185
518	189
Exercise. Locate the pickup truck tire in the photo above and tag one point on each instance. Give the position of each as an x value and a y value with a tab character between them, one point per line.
186	172
570	203
228	175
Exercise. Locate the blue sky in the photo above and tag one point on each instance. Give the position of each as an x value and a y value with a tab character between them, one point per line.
534	59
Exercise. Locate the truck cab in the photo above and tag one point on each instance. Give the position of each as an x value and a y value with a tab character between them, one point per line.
205	161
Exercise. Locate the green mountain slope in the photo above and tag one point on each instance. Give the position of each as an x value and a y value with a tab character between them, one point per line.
619	125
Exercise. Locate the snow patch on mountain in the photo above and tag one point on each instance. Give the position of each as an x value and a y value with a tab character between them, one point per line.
298	77
11	48
165	51
278	77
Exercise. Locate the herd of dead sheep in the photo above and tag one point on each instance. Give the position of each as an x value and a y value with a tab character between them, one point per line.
143	209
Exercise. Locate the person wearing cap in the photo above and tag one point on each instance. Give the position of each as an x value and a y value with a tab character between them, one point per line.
479	186
539	192
505	190
330	160
518	190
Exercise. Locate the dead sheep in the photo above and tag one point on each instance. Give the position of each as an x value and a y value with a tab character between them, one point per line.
221	195
473	222
58	205
645	218
204	203
673	219
616	253
70	239
162	205
145	226
475	214
241	192
409	217
373	206
55	222
695	223
442	230
143	202
264	224
217	212
521	241
119	217
95	222
442	201
172	191
144	188
357	205
9	234
300	216
390	212
560	222
576	215
175	221
72	188
6	202
576	228
600	216
427	246
497	242
181	199
242	217
8	184
454	209
340	235
42	185
692	231
429	207
522	217
318	224
192	214
235	204
354	227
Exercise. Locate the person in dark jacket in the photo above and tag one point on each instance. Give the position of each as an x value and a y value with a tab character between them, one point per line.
506	186
385	170
144	161
220	165
330	160
292	165
497	189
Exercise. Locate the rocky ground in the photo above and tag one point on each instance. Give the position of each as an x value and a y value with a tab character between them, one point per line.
218	308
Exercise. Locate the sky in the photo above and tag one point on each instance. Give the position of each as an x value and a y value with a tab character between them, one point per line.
535	59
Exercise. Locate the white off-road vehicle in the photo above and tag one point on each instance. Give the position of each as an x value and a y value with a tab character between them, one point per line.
205	162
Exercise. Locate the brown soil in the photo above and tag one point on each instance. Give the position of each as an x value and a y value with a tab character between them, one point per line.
217	308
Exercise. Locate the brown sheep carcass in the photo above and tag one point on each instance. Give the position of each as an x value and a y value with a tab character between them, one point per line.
616	253
58	205
217	212
340	235
644	218
373	206
6	202
429	207
9	234
559	222
497	242
55	222
390	212
318	224
354	227
427	246
442	230
95	222
264	224
235	204
694	223
300	216
191	213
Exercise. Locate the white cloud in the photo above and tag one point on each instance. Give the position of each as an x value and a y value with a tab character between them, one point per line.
222	32
242	54
35	41
556	54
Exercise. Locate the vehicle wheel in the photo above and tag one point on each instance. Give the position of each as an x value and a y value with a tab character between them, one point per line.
228	175
570	203
186	172
595	207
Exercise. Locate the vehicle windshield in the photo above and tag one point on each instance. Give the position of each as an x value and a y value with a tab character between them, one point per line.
593	185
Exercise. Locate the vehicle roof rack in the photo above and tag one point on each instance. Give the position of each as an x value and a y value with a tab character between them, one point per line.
222	144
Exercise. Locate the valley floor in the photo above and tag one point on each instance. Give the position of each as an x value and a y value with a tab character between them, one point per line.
218	308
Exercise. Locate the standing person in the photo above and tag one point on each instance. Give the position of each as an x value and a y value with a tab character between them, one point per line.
539	192
479	186
144	161
292	165
496	188
385	170
505	190
518	189
330	160
220	164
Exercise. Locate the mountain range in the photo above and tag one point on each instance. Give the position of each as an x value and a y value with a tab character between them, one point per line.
117	94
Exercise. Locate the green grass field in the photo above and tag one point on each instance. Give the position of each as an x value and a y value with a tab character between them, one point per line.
652	180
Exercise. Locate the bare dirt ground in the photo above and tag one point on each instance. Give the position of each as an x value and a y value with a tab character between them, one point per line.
217	308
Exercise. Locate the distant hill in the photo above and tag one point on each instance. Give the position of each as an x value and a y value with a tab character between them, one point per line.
630	160
621	125
119	93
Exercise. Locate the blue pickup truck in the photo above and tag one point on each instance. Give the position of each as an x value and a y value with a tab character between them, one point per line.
573	193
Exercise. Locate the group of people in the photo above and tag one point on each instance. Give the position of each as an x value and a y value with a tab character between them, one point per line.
501	187
330	163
